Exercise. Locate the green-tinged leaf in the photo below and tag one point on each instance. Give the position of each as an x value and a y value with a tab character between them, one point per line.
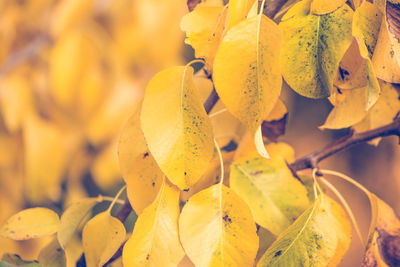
31	223
321	7
238	10
12	260
384	236
319	237
217	229
140	171
176	126
268	187
312	48
72	217
204	29
246	70
53	255
101	238
155	240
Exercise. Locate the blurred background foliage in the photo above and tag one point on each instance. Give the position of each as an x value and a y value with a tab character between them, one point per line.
73	71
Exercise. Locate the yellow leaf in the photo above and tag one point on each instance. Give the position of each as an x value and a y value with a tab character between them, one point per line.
15	101
204	29
385	64
354	104
31	223
140	171
52	255
120	103
105	168
384	110
312	48
366	23
155	240
384	235
176	126
226	127
48	148
319	237
238	10
72	217
217	229
322	7
268	187
101	238
246	70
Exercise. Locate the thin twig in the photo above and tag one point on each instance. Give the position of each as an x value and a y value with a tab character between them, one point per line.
311	160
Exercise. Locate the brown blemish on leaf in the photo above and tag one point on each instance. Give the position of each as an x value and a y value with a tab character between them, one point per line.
278	253
145	155
389	246
227	220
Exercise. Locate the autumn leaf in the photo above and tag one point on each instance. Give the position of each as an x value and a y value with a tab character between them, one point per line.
72	217
319	237
322	7
204	29
140	171
312	48
246	70
101	238
53	255
216	229
31	223
384	236
155	240
268	187
176	127
238	10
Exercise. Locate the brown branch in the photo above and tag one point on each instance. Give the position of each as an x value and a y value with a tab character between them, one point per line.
311	160
272	9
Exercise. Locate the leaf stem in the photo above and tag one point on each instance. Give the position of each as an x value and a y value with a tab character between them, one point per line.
221	161
111	199
116	198
218	112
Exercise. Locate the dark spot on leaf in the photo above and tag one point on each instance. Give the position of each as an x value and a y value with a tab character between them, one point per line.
227	219
145	155
59	249
389	246
153	184
278	253
148	257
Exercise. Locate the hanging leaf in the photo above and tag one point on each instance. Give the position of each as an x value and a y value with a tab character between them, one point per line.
140	171
393	21
268	187
216	229
366	23
312	48
52	255
238	10
204	29
322	7
246	70
101	238
384	110
72	217
319	237
384	236
176	126
31	223
354	104
386	59
155	240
